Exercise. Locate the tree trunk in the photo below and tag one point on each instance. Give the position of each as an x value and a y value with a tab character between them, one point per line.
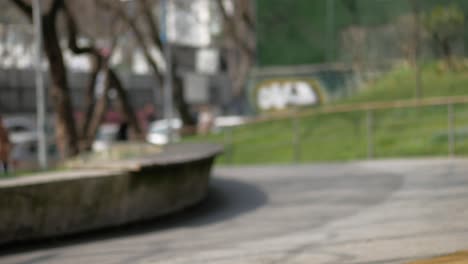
126	107
67	139
188	120
446	49
90	102
240	79
240	45
98	113
447	53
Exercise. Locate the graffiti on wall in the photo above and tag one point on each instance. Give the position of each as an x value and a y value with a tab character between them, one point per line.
282	94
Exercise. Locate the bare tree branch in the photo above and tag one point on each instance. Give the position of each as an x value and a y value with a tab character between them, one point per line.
112	81
90	103
131	23
25	8
155	42
151	22
127	109
73	35
57	5
247	14
233	30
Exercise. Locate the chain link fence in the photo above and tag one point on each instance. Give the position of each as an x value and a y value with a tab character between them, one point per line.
410	128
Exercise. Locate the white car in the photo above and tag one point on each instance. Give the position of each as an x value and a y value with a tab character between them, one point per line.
24	137
158	131
20	128
229	121
105	137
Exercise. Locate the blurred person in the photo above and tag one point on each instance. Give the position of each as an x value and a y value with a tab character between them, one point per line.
5	147
122	133
150	113
146	116
205	120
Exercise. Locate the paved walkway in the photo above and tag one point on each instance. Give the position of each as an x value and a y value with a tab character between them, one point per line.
363	212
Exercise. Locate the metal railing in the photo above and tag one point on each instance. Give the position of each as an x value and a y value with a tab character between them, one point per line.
431	123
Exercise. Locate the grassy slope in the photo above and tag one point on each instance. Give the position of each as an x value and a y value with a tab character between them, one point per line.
397	133
400	84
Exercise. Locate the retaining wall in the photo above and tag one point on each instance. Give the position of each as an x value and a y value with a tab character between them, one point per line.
104	195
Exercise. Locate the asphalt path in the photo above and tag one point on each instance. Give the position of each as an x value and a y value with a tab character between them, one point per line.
390	211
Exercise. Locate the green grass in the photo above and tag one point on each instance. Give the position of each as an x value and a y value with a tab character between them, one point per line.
28	172
409	132
400	84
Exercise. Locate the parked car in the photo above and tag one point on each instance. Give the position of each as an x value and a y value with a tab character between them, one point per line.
105	137
221	122
20	128
24	138
158	131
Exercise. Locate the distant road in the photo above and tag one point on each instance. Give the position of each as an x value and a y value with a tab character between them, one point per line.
361	212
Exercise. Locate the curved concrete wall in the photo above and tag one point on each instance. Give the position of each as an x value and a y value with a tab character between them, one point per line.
70	202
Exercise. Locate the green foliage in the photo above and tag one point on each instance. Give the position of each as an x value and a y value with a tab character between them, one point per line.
446	23
296	32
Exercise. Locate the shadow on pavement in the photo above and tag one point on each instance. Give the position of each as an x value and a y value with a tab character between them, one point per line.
226	199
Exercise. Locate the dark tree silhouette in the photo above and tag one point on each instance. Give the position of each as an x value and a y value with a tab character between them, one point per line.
67	139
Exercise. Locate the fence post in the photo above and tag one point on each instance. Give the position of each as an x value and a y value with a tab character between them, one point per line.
451	129
370	134
296	139
229	144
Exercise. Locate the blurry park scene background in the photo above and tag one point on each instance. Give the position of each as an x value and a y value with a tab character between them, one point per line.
274	81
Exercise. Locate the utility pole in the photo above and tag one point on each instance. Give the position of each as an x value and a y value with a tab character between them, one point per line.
168	103
40	89
330	30
416	10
